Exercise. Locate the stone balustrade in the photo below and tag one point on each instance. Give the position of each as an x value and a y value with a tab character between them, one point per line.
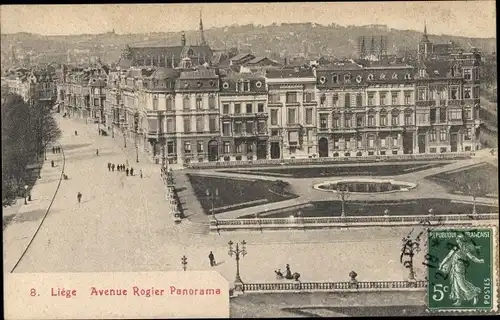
315	160
293	222
335	286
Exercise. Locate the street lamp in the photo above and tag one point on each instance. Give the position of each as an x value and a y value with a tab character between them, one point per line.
213	195
184	262
474	189
343	193
25	193
237	252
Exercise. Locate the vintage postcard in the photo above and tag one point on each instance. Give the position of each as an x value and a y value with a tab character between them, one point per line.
227	160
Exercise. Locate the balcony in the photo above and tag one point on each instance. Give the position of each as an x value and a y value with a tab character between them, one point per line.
292	104
425	103
243	115
275	104
455	102
310	103
153	134
455	122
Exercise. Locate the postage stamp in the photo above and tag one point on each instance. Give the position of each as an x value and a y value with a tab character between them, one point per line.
462	269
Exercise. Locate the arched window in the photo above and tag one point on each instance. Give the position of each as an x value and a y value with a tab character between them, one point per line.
170	103
186	103
199	102
211	101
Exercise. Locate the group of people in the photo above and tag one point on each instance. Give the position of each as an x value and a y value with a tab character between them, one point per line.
56	149
123	168
288	274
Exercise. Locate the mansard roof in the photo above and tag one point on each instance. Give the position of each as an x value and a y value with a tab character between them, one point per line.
289	73
164	74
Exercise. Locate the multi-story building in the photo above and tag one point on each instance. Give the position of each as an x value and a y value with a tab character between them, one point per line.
84	90
447	104
243	116
365	111
292	109
197	116
34	84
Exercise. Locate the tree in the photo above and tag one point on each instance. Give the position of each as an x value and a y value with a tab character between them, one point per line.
27	129
233	51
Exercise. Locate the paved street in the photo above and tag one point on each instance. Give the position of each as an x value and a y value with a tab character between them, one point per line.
122	224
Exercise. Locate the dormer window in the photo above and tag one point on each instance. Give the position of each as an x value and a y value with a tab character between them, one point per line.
370	76
347	78
248	85
407	76
335	78
382	76
394	76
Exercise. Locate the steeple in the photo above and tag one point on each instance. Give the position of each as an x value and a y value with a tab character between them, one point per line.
202	34
183	39
424	37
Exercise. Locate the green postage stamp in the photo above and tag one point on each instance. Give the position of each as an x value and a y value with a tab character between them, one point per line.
462	269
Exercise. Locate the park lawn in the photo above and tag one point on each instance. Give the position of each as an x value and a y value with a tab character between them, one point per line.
237	194
377	208
486	176
335	171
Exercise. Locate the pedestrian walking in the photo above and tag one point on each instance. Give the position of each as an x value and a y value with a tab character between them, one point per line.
76	133
211	258
109	166
58	149
126	171
96	152
131	171
141	173
79	196
53	149
113	167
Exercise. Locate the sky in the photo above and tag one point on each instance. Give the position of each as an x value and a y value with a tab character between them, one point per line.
460	18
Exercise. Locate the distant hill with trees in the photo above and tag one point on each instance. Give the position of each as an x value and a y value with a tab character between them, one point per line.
287	39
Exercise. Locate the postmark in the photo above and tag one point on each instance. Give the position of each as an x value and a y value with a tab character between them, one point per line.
462	269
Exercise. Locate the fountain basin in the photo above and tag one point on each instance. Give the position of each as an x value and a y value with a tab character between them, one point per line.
365	186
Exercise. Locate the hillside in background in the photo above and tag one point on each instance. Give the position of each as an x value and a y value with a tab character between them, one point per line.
274	41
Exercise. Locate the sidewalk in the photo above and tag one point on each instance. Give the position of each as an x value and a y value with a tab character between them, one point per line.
25	222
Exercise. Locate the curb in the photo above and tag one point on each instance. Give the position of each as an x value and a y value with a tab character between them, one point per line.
45	215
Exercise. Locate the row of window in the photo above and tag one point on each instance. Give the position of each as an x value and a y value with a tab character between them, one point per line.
249	108
349	99
443	134
468	93
323	119
200	147
359	121
186	103
244	127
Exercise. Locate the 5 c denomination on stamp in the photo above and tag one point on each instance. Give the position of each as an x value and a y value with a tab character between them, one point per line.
461	269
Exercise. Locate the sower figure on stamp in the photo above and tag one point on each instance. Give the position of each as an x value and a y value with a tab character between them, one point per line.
212	259
455	264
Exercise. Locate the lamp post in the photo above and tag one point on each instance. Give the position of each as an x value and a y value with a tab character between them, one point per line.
257	216
213	195
237	252
474	189
136	130
343	193
184	262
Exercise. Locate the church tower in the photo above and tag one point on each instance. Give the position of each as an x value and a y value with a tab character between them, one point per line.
202	33
425	48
